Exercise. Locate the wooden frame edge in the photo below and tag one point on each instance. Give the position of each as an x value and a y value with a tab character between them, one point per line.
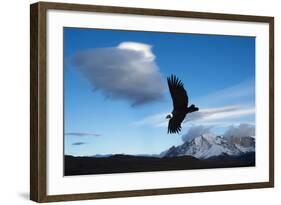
37	102
271	101
34	191
38	113
153	192
153	12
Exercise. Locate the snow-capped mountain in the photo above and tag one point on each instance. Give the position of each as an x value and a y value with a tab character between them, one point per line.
208	145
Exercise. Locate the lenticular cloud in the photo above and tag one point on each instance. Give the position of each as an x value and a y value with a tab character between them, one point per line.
125	72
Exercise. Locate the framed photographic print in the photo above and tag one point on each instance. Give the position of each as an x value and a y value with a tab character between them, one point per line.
134	102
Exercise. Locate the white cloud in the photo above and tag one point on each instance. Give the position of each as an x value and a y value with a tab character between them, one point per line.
127	72
139	47
195	131
241	130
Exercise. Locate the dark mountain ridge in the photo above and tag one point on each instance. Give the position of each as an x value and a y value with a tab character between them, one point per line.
202	152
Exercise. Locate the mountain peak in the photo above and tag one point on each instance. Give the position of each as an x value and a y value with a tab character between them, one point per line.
208	145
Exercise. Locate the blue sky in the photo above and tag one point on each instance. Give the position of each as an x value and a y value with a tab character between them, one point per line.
115	92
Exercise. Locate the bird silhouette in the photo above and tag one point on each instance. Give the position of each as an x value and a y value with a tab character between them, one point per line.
180	103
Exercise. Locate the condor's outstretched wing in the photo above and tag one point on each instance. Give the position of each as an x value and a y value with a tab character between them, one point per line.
175	123
178	93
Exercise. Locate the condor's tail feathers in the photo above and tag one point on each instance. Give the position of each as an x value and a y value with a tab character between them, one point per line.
192	108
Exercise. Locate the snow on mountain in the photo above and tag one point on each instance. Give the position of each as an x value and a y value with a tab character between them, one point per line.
209	145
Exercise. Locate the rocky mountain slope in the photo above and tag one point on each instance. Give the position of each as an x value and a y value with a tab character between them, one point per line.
208	145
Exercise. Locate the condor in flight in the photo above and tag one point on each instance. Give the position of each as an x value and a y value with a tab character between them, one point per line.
180	102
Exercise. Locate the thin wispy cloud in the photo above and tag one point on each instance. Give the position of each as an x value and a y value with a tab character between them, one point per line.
218	114
78	143
209	116
237	101
241	92
154	120
125	72
82	134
